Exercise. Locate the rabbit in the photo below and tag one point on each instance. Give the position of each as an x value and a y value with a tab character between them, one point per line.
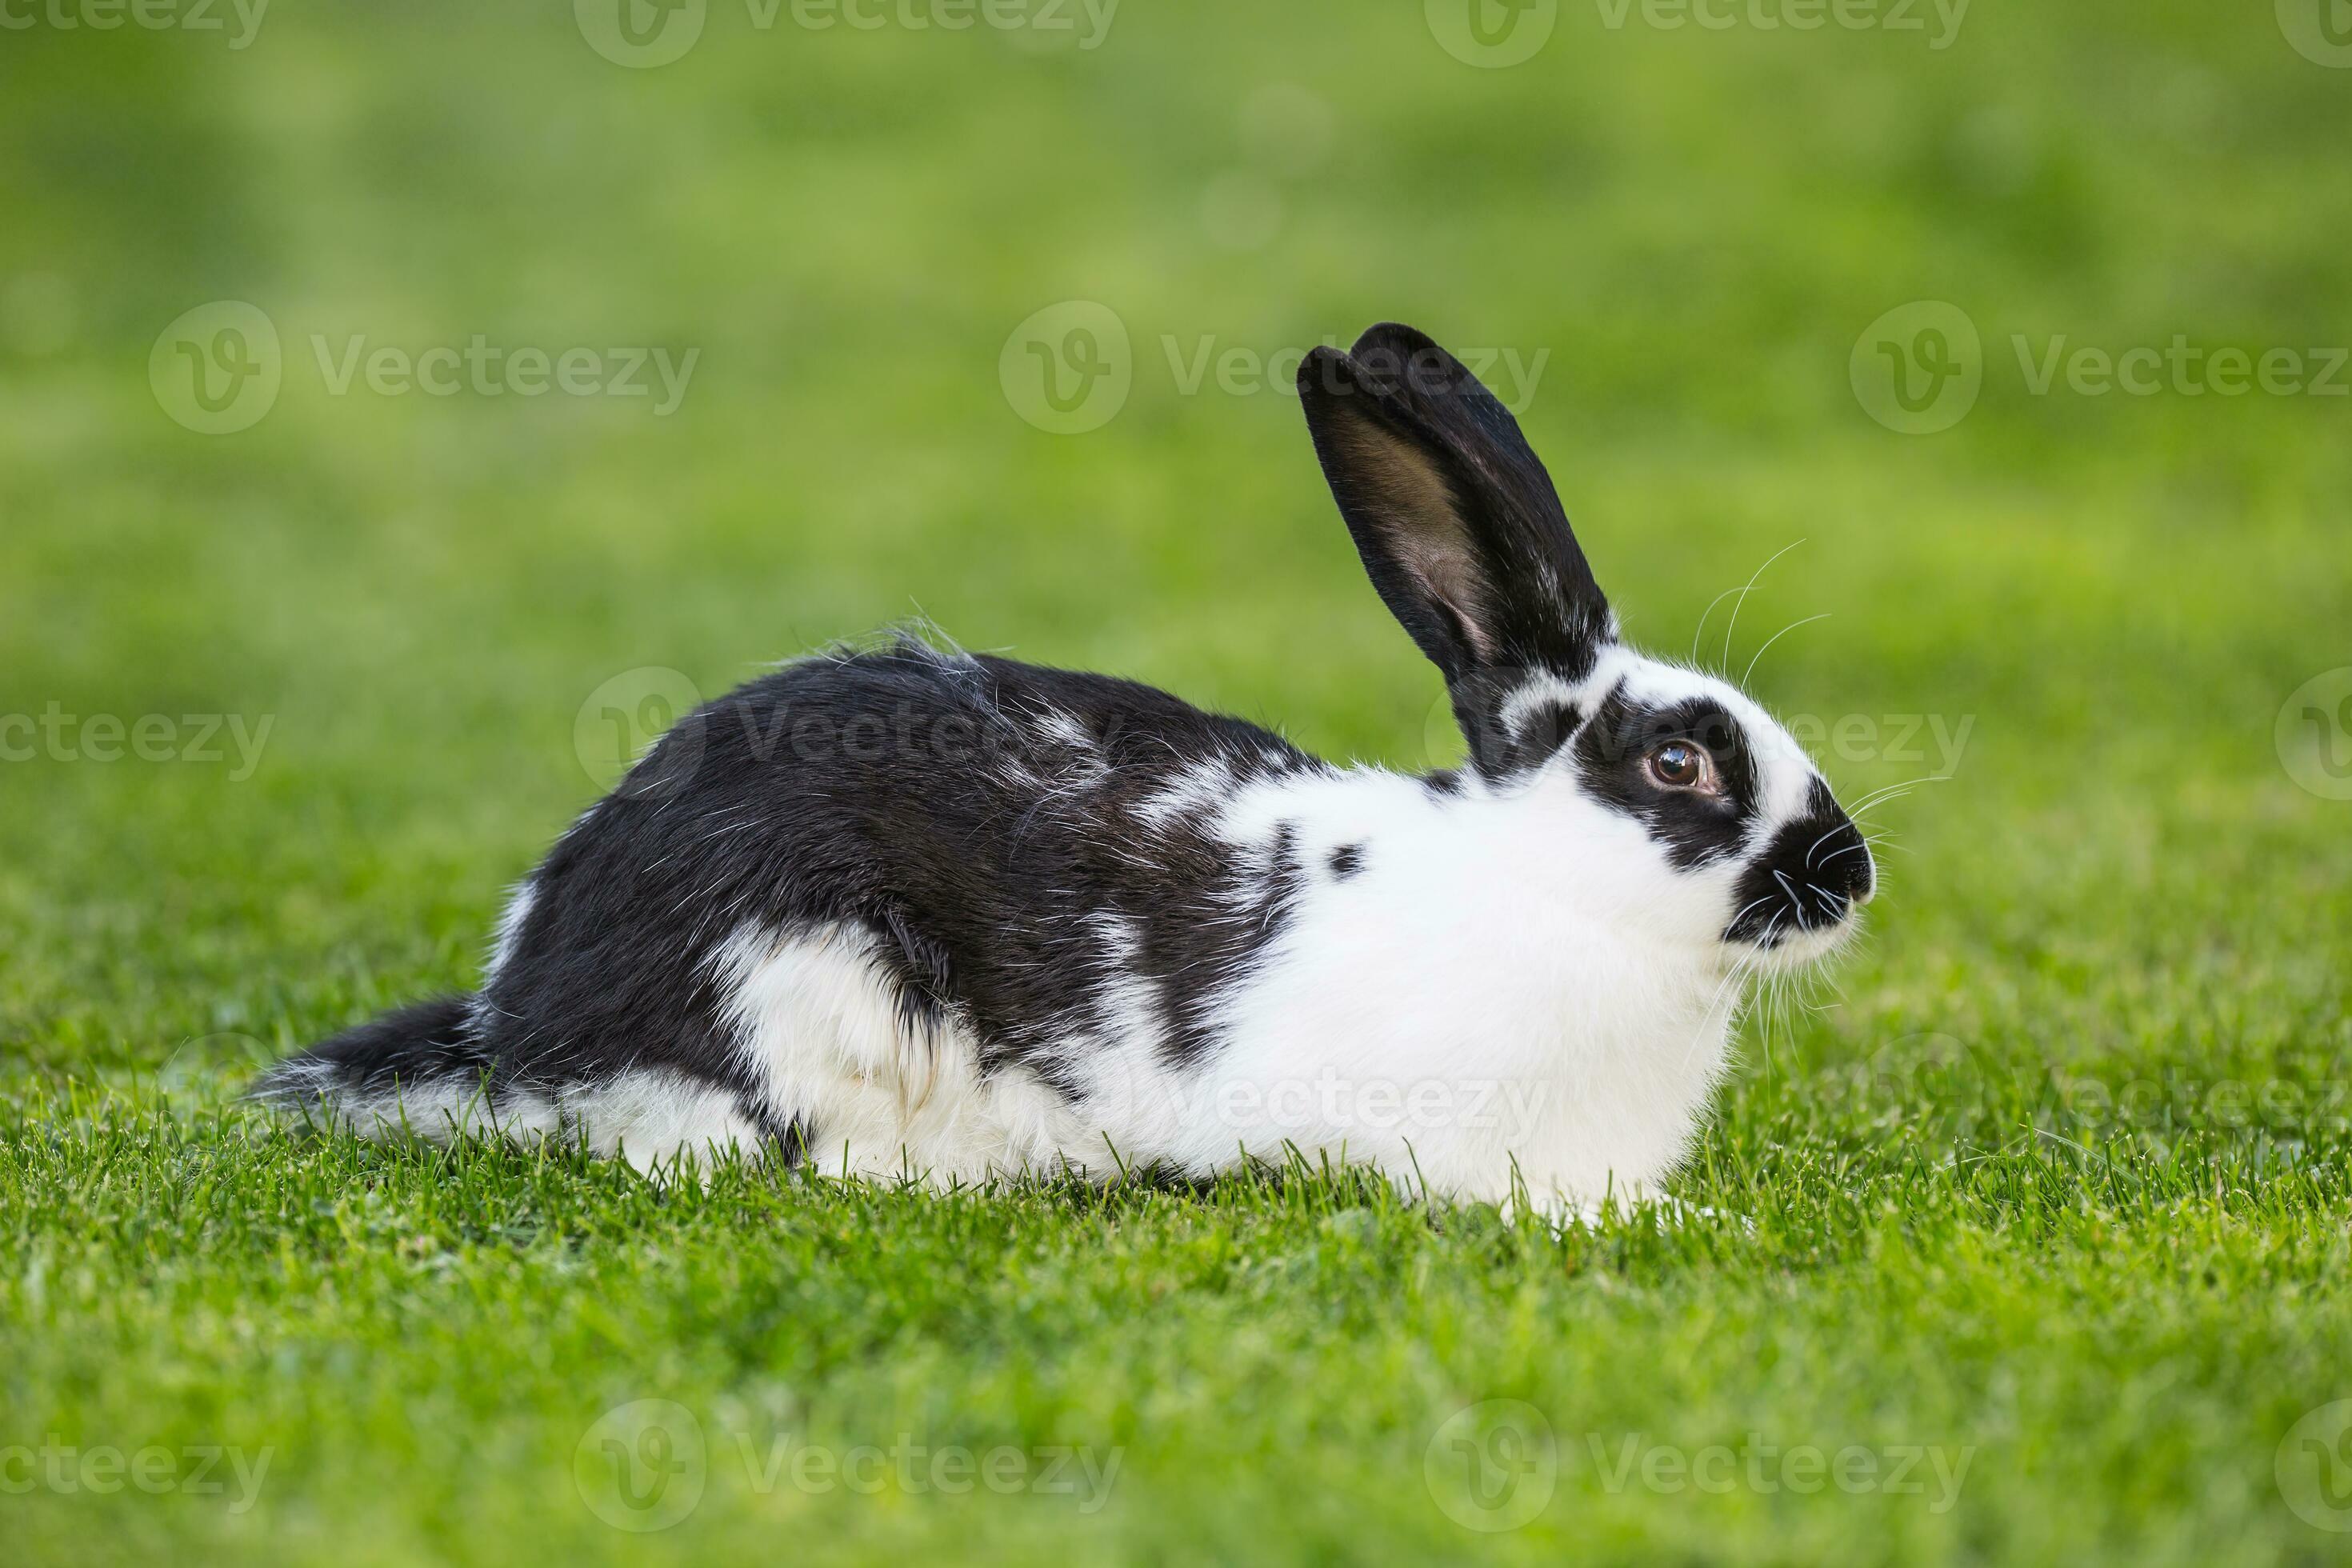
902	911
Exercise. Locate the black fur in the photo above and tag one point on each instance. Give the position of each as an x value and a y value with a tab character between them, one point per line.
409	1044
1813	871
1519	736
1611	753
1457	522
976	817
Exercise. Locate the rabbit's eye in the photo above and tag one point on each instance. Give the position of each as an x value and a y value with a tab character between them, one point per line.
1679	764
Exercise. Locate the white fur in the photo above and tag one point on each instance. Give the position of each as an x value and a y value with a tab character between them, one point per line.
510	924
822	1032
502	947
1199	788
655	1119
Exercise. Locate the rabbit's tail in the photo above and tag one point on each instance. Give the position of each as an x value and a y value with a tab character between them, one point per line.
416	1065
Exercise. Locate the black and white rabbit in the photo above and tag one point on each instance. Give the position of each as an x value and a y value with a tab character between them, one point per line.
904	912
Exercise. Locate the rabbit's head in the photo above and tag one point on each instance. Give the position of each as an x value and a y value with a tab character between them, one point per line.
1676	805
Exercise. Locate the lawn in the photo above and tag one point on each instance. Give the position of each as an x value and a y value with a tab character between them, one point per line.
2022	1236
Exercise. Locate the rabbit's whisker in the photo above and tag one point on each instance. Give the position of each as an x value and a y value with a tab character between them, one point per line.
1776	636
1744	591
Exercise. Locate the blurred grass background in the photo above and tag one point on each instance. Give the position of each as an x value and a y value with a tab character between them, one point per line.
421	593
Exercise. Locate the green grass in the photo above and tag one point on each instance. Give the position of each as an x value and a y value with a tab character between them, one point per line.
2058	1178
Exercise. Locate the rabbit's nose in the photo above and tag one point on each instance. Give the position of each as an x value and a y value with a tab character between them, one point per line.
1846	864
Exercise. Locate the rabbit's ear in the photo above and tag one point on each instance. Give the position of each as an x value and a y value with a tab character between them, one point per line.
1457	520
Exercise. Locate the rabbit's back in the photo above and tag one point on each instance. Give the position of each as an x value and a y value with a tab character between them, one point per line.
1018	859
